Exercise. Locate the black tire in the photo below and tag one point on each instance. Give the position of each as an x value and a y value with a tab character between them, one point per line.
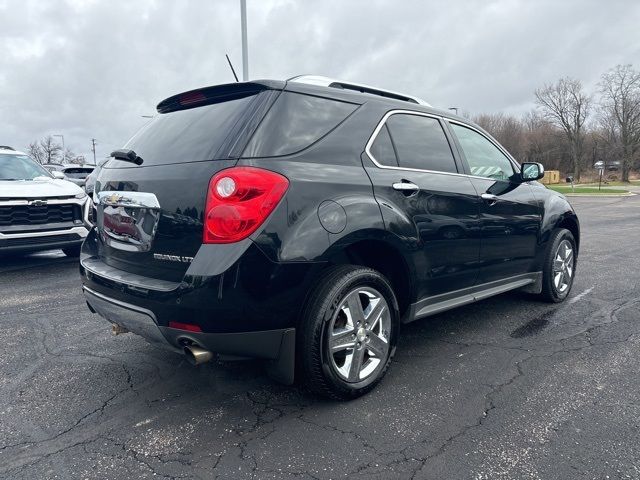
72	251
316	367
550	292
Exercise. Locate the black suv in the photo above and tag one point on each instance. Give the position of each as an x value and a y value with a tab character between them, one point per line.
302	222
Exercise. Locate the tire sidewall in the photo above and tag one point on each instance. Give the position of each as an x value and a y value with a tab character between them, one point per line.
562	234
368	278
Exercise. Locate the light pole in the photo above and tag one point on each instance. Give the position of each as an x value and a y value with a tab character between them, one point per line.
63	151
245	54
455	109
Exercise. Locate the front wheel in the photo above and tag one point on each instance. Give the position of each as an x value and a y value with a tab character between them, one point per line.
348	332
559	267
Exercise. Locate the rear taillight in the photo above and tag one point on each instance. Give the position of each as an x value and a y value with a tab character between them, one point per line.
238	202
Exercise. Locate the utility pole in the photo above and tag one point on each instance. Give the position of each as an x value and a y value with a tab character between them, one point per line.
93	147
245	54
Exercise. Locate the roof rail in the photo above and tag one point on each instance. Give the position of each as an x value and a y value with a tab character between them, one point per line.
358	87
6	147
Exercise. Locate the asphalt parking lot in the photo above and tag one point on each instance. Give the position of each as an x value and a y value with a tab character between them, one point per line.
506	388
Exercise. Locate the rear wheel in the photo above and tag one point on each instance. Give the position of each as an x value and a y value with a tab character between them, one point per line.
72	251
348	332
559	266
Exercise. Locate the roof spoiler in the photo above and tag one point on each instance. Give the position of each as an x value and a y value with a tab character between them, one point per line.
209	95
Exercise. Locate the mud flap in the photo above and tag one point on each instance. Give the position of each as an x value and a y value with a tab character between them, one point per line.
283	368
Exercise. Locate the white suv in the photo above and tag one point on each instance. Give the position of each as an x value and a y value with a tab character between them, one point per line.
39	211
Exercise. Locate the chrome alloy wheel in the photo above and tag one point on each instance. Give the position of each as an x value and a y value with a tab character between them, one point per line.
359	334
563	266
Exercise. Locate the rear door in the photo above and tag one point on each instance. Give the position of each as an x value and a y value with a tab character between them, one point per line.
150	216
510	213
425	201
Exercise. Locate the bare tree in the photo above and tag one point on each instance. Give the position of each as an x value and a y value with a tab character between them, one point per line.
46	150
36	152
620	112
51	150
567	106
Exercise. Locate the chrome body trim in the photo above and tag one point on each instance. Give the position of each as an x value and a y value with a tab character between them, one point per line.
376	131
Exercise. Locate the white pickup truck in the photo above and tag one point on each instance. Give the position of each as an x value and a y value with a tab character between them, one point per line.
39	210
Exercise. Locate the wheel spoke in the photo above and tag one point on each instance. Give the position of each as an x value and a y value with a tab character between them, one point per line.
557	265
558	279
377	346
342	340
355	308
376	313
356	364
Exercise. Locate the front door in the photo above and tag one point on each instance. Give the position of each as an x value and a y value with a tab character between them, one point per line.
510	214
425	201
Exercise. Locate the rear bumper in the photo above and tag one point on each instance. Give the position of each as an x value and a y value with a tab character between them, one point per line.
274	345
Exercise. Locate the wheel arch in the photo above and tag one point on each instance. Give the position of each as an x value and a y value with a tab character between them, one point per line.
382	253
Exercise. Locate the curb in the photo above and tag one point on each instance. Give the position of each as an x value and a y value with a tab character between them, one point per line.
600	195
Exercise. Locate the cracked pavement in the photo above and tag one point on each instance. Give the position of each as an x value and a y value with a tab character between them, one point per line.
506	388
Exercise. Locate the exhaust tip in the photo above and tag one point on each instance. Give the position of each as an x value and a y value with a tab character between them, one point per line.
196	355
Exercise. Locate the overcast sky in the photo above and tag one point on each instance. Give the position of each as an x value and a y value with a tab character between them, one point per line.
91	68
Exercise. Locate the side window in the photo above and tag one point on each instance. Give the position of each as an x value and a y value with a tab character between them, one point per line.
294	122
420	142
485	159
382	148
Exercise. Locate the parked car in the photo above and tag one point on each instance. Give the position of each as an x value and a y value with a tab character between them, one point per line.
612	166
302	222
90	181
73	172
77	173
37	210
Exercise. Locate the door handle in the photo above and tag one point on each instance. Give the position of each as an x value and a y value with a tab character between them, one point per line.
406	187
489	198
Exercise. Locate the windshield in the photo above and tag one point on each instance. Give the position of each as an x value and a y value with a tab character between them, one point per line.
20	167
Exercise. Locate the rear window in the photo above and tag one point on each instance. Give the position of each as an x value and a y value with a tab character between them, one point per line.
77	172
295	122
188	135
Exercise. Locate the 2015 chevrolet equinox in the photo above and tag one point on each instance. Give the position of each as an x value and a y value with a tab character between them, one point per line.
303	222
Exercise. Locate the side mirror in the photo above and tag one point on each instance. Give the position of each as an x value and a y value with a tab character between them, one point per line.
58	175
531	171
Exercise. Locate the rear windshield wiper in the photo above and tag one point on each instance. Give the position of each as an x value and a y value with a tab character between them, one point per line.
127	156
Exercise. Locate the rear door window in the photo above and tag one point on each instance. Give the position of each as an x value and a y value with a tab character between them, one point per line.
295	122
420	142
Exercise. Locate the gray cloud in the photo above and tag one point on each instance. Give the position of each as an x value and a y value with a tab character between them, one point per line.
92	68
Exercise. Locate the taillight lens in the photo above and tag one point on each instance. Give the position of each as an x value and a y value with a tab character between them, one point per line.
238	202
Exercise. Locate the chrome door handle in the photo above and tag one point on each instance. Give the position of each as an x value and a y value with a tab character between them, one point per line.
489	198
406	187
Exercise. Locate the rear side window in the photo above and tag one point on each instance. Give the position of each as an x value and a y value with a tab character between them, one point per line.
188	135
295	122
382	148
420	142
